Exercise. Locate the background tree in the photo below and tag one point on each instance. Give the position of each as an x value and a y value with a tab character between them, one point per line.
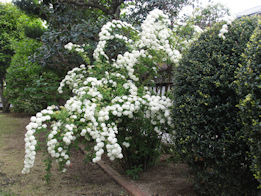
30	87
80	22
208	15
140	8
69	21
10	29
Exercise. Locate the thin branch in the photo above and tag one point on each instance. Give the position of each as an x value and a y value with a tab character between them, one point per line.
116	8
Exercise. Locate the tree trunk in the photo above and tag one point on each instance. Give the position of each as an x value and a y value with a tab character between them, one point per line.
6	105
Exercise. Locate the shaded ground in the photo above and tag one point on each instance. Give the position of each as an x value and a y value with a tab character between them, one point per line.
165	179
81	179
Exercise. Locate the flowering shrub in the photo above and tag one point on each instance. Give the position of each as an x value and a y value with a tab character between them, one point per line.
112	105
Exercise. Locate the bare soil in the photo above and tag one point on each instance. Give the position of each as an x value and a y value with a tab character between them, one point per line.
166	179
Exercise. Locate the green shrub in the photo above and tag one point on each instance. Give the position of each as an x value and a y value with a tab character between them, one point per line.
249	89
34	30
144	149
29	87
208	130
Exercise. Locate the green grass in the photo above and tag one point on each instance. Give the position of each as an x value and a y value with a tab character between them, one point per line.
9	124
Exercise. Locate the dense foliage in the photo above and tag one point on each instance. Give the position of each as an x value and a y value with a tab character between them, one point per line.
209	133
249	90
14	26
139	9
70	21
10	30
207	16
66	22
80	22
29	87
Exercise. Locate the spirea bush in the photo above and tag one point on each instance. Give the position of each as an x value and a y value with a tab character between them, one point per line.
249	90
209	133
29	87
112	105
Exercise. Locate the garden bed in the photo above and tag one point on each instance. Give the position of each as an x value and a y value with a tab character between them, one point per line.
167	178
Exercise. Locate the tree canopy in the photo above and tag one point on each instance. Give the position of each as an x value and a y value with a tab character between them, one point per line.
14	25
10	29
80	22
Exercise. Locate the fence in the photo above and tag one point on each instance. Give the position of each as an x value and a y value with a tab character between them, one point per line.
164	81
162	88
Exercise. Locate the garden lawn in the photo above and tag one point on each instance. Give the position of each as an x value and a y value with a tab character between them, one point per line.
80	179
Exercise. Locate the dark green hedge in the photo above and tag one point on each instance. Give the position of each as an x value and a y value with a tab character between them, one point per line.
208	131
249	89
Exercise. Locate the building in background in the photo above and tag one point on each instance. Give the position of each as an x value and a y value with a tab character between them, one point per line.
250	12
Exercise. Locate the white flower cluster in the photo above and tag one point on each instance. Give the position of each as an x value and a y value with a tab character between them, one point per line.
37	122
77	48
224	28
197	32
108	33
154	35
101	101
222	31
197	29
74	75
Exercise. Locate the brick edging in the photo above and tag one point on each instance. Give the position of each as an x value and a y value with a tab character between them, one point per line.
129	186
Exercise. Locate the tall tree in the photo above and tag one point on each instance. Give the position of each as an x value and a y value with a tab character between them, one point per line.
208	15
68	21
80	21
139	9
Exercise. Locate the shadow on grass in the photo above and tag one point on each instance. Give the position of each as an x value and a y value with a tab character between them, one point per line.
6	194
